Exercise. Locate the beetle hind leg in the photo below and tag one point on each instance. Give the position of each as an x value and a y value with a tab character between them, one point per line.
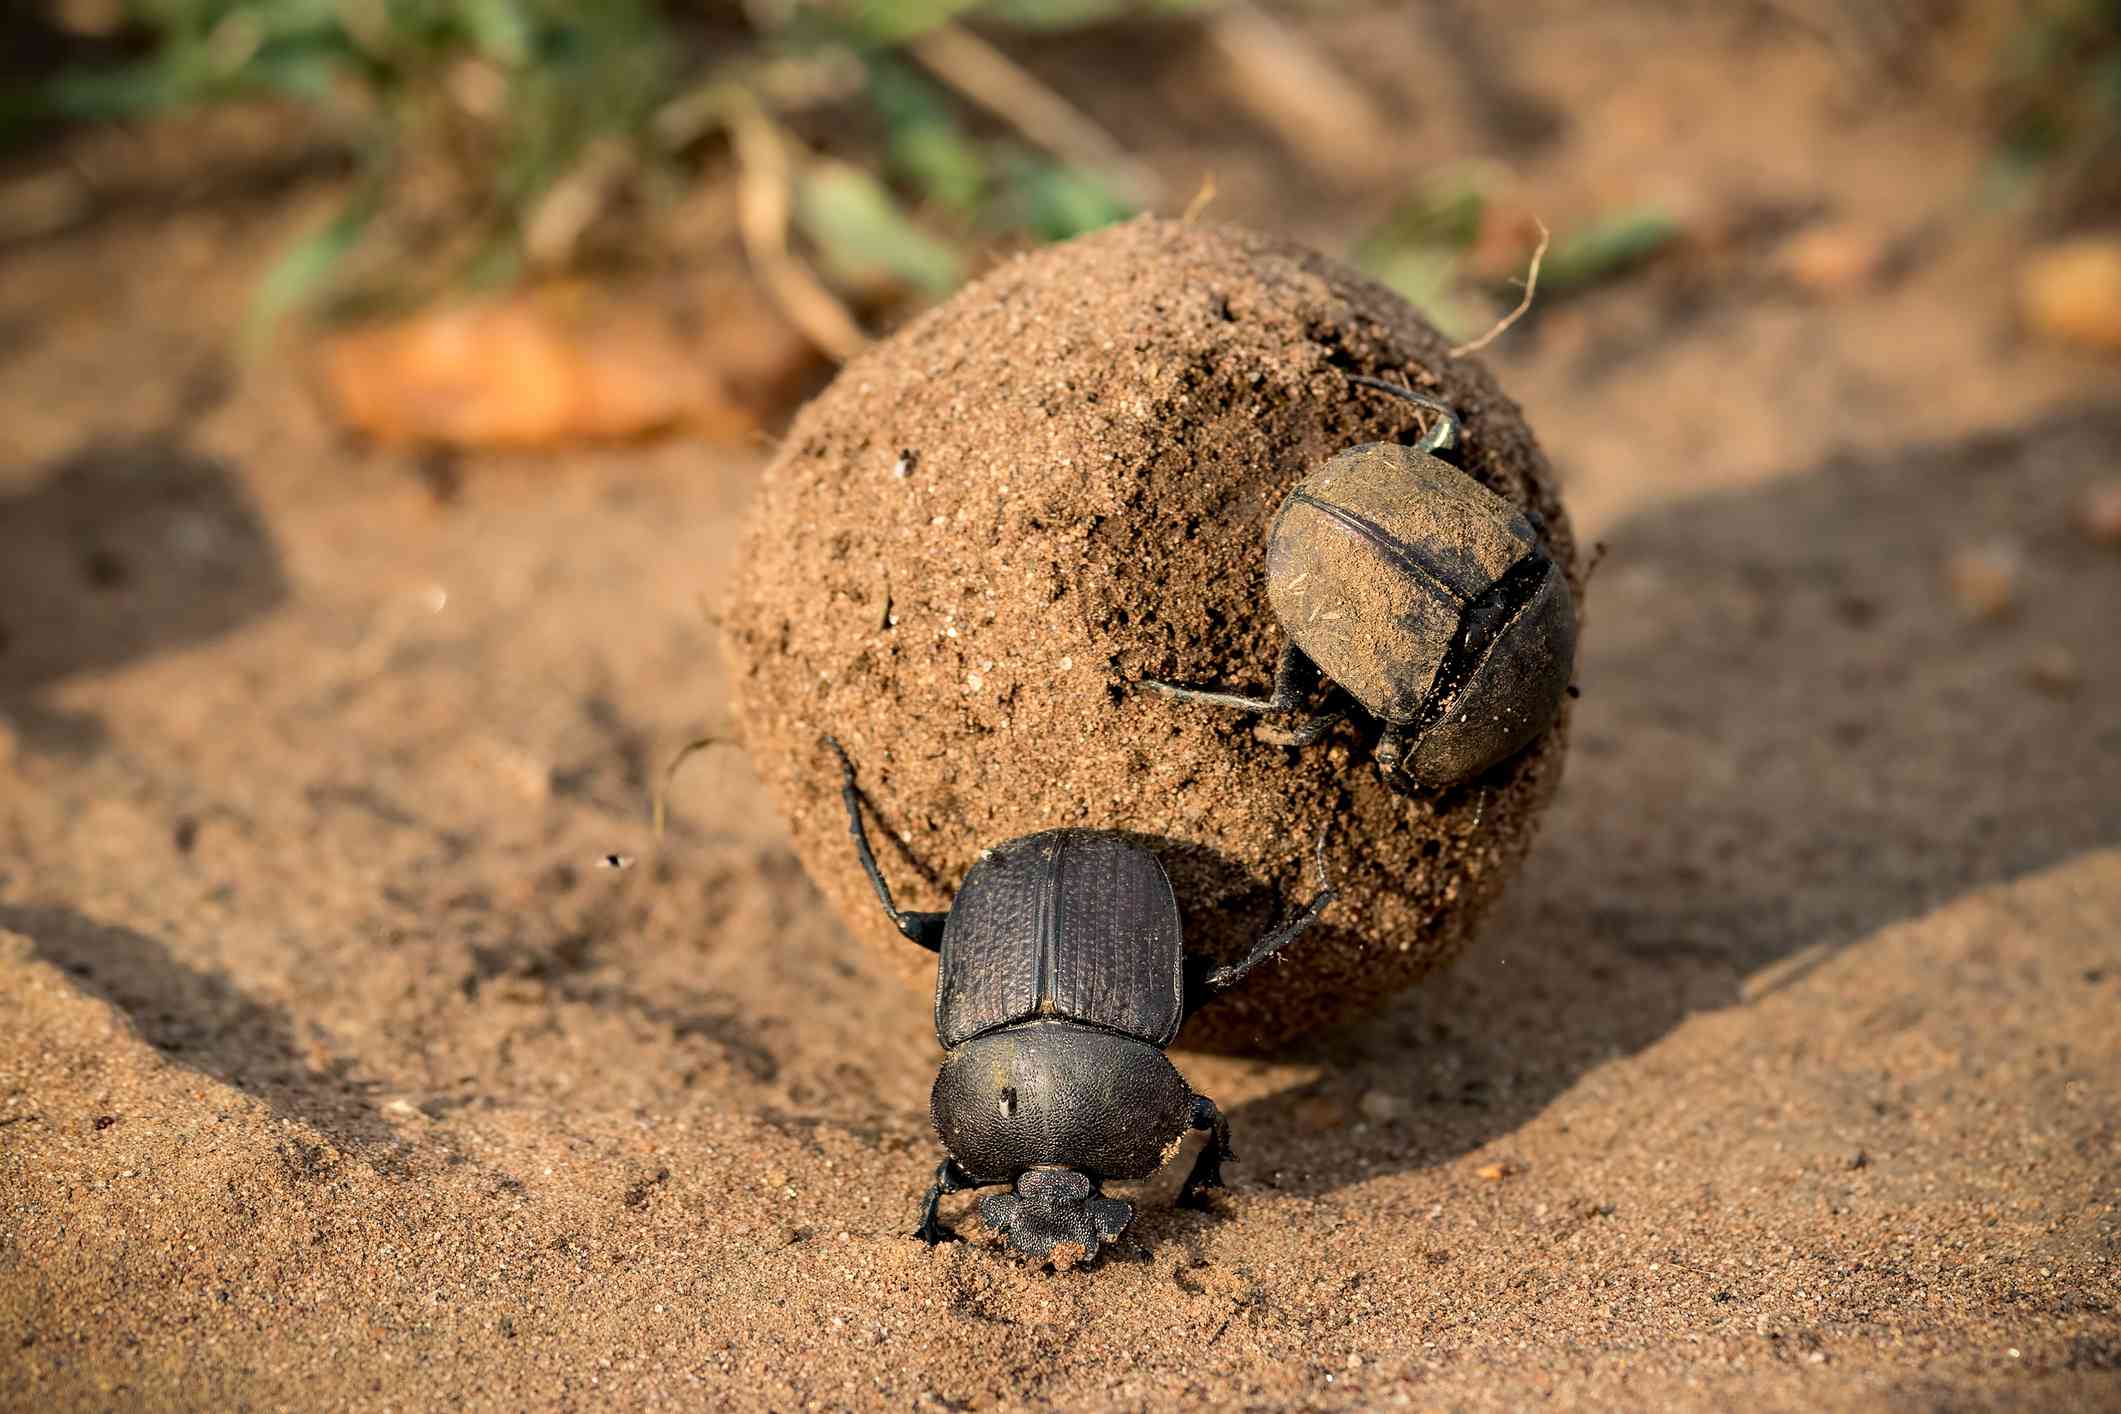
949	1178
1292	678
1208	1168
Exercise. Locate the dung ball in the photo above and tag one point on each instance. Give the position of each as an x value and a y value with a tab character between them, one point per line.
993	525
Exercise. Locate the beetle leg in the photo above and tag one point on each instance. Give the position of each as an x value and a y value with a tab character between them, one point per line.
925	929
1229	975
949	1178
1306	733
1208	1168
1390	754
1441	438
1290	683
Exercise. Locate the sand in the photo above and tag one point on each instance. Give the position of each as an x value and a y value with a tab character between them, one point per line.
338	1071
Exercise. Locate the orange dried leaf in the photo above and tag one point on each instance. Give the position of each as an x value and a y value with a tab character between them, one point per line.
558	366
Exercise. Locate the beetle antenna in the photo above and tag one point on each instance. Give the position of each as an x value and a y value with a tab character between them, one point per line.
1443	437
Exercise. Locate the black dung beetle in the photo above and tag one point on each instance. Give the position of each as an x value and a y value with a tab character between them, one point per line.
1424	597
1060	981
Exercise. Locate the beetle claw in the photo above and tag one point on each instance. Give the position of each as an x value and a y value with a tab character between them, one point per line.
1195	1194
934	1233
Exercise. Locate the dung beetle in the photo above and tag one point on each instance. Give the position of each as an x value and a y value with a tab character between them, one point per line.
1425	598
1059	981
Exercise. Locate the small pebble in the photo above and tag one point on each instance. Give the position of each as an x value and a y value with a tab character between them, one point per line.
2055	671
1984	582
1317	1113
1381	1106
2071	293
1836	260
2099	513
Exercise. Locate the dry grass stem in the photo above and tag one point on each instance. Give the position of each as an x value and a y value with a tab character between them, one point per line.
1201	199
999	84
765	187
1531	284
659	806
1321	113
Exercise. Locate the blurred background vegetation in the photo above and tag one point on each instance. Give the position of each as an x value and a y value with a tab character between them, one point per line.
870	155
491	139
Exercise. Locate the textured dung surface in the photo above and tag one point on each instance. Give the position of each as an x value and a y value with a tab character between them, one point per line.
1055	485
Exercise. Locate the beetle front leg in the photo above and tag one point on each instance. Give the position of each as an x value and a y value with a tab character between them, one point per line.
1200	985
1305	733
1292	678
926	929
949	1178
1208	1168
1443	437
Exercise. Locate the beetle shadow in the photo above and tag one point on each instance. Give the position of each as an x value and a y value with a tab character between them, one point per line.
203	1021
1205	881
1792	734
117	552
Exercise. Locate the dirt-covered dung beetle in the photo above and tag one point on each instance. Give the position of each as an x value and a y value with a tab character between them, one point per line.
1060	980
1425	598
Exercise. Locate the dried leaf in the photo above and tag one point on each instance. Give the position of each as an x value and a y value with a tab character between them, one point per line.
564	364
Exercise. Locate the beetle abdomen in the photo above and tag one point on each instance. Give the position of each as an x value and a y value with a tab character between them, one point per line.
1047	1093
1373	562
1077	924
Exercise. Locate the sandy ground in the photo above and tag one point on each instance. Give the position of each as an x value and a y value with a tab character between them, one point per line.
336	1072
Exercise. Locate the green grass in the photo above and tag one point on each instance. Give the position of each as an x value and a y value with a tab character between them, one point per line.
515	97
2056	109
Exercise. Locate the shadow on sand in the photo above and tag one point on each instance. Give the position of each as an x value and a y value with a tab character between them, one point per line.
203	1021
119	552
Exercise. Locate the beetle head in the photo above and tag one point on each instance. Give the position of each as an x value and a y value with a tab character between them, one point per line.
1500	685
1056	1215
